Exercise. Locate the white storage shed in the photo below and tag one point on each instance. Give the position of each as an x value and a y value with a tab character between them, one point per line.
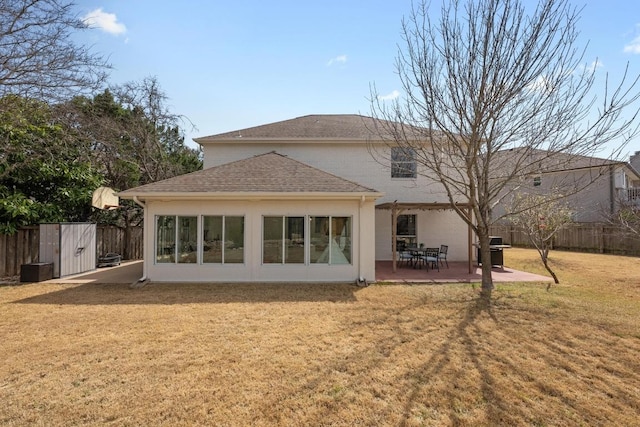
70	247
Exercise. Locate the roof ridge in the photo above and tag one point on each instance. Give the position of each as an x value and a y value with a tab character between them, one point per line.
310	126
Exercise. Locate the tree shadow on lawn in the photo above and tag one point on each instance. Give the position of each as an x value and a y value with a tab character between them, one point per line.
567	374
196	293
467	376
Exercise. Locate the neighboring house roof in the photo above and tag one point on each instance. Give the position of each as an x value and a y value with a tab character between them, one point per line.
351	127
543	161
265	173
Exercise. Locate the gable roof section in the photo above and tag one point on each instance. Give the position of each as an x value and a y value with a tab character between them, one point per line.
351	127
262	174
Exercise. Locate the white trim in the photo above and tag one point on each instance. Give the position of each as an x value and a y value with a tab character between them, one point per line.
252	196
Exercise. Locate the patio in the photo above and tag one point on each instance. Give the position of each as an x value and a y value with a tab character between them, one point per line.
457	272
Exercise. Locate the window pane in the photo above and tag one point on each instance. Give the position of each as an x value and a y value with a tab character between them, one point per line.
341	240
294	240
406	231
212	239
187	239
166	239
319	229
272	240
234	240
406	225
403	163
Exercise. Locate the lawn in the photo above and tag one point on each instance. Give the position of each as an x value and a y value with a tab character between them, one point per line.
265	354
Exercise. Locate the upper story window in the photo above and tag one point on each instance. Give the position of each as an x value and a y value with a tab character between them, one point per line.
403	162
537	181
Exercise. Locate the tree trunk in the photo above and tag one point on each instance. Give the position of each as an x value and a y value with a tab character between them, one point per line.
485	255
546	265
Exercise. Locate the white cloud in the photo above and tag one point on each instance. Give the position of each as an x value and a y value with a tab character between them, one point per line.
390	96
107	22
337	60
633	46
591	67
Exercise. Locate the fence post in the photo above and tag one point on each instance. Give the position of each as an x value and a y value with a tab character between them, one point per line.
601	239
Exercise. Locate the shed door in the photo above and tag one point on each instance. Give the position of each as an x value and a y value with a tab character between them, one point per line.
77	248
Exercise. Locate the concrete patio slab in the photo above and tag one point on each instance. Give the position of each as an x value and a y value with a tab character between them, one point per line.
458	272
127	272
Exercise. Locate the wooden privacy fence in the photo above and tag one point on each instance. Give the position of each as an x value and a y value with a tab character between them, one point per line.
581	237
23	246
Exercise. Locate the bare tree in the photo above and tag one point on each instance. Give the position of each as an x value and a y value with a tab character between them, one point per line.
38	56
493	93
541	217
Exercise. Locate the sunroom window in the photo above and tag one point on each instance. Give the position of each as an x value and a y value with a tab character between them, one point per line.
176	239
330	240
283	240
223	239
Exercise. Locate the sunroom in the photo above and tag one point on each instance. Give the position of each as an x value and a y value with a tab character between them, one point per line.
266	218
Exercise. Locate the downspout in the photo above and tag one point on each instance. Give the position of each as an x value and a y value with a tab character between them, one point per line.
143	280
138	202
360	281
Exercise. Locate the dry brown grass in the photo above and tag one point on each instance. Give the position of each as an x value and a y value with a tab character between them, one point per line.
339	355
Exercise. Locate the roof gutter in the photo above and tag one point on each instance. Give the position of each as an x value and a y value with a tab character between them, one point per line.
254	196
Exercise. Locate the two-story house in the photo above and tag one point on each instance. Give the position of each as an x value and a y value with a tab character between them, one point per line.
299	200
593	187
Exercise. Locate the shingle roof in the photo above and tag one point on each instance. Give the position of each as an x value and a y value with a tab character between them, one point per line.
265	173
543	161
330	126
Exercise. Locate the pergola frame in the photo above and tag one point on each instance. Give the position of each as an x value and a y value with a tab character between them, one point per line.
398	208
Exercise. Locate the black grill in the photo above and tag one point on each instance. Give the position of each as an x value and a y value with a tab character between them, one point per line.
497	257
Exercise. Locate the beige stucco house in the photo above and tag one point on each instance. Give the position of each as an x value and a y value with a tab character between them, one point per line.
297	200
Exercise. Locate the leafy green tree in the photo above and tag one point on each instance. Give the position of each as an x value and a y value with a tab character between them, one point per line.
45	173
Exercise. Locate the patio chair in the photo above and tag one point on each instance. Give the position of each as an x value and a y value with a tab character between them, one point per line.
405	256
430	258
442	255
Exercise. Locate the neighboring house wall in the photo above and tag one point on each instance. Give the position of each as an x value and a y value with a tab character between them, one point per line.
354	161
634	160
593	202
252	270
593	194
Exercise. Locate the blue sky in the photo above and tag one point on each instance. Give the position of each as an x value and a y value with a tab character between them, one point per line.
229	65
